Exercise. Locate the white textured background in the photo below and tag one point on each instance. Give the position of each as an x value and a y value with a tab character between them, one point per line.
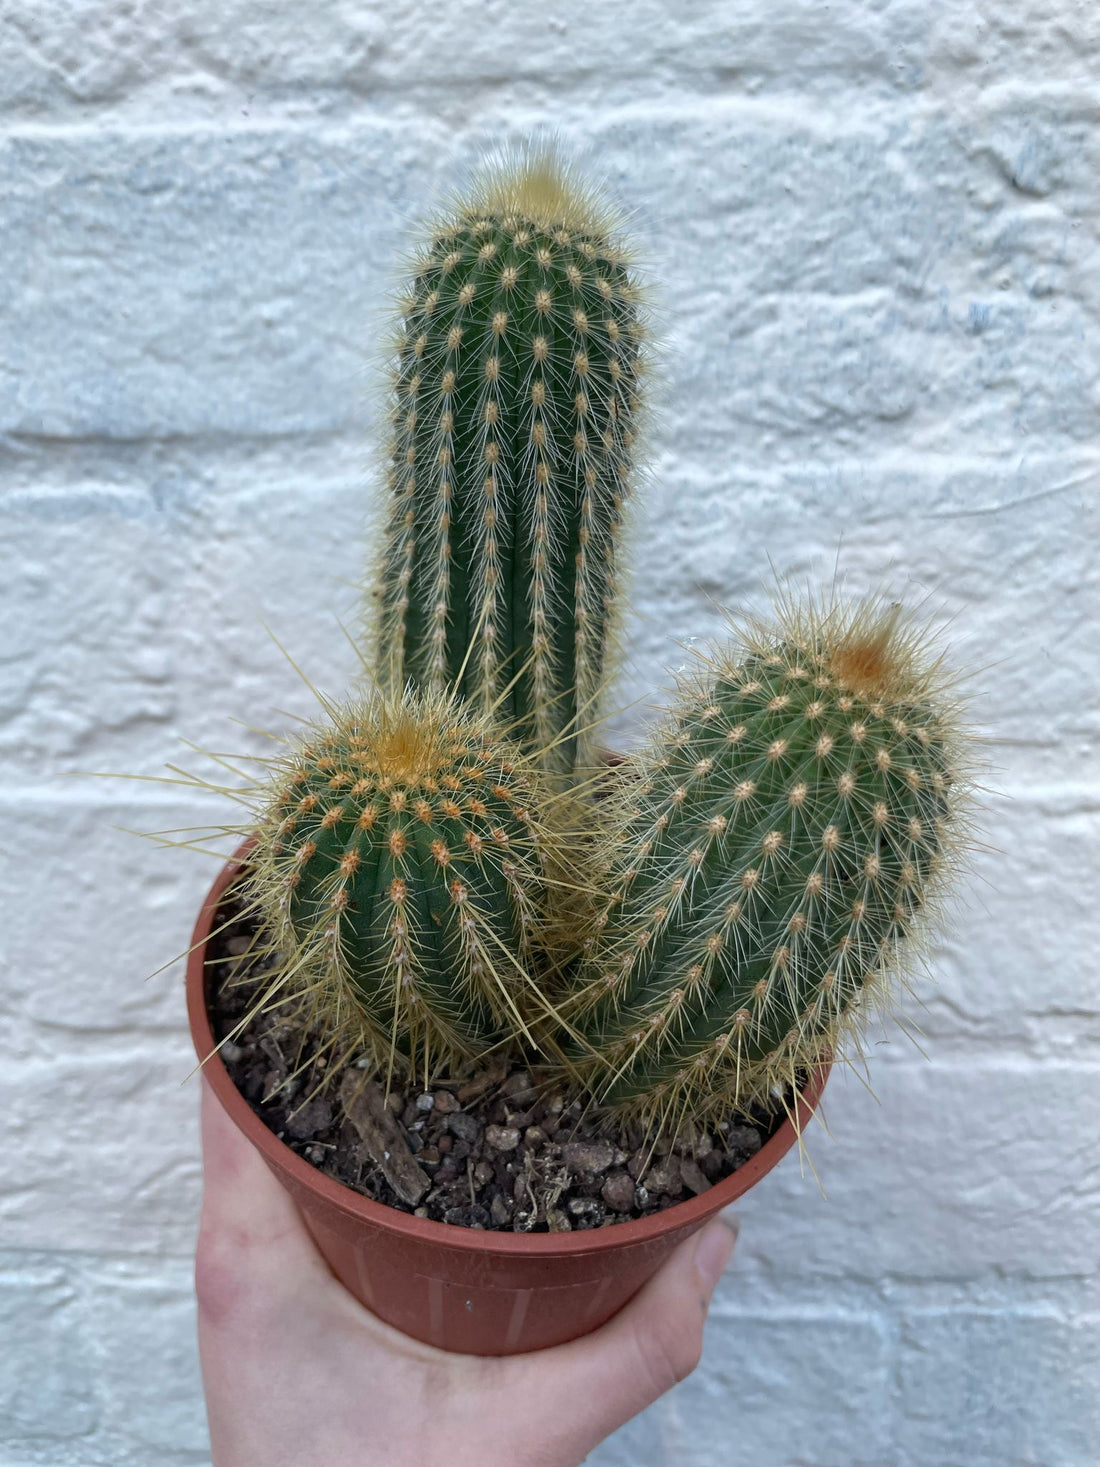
876	225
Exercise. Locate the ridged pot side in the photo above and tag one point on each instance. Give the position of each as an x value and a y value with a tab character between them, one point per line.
475	1292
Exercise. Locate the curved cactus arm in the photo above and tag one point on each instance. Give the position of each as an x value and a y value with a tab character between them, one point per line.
772	855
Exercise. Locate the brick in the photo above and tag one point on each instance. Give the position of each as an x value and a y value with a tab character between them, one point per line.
204	283
875	372
787	1388
1027	43
515	45
896	50
143	1336
105	1449
106	912
47	1388
962	1167
998	979
157	630
90	653
999	552
241	299
834	1365
906	290
82	53
102	1150
57	58
280	570
982	1389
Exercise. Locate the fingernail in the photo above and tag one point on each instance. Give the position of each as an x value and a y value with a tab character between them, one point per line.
713	1250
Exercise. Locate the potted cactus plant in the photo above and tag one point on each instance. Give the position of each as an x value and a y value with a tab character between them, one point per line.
493	966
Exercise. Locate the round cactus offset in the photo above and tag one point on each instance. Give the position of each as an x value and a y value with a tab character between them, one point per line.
515	407
399	865
772	853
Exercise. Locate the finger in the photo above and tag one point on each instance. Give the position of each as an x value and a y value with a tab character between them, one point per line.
648	1347
248	1219
254	1263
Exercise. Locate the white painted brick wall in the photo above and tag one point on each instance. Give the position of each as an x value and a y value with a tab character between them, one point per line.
876	227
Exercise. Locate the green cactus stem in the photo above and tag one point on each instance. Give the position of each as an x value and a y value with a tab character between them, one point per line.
515	404
399	865
772	855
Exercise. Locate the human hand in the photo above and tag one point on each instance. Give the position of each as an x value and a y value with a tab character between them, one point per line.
298	1373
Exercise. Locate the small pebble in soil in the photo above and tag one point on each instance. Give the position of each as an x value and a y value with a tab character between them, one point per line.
464	1126
585	1207
500	1212
472	1215
665	1177
591	1157
618	1192
692	1177
305	1121
743	1140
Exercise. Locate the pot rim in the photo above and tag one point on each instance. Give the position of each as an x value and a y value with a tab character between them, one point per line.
438	1234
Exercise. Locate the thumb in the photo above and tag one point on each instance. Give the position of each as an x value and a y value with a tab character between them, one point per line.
250	1234
650	1345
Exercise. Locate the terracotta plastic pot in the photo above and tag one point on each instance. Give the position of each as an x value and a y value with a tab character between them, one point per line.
482	1293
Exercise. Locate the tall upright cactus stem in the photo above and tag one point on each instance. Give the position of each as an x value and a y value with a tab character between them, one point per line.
399	863
515	400
772	852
